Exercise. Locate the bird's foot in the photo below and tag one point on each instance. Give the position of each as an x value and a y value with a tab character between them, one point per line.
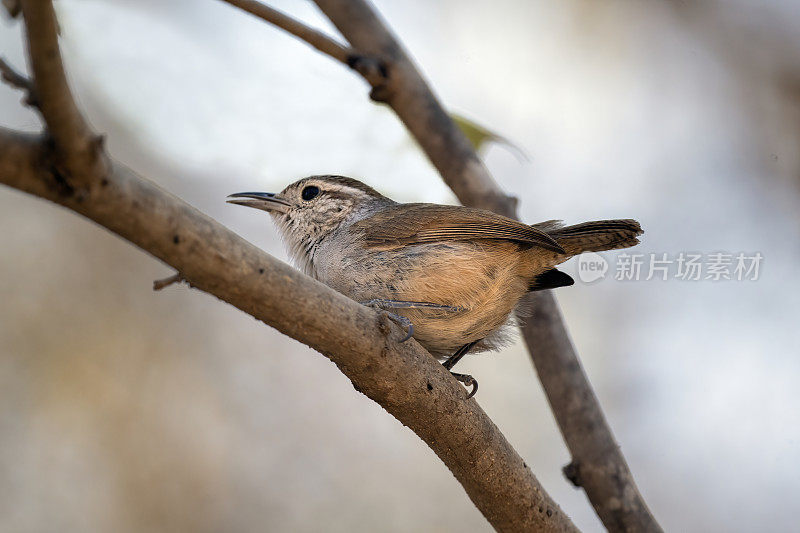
404	323
385	304
468	381
401	321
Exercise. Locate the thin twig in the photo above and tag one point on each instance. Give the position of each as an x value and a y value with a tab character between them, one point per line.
166	282
315	38
15	79
371	68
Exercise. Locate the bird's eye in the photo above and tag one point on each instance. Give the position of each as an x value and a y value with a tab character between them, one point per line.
310	192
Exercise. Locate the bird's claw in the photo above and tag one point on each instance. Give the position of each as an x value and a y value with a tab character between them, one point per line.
467	380
404	323
401	321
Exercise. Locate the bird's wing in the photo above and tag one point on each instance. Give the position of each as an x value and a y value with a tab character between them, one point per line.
405	224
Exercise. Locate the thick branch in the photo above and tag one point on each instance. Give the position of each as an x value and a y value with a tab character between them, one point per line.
604	474
402	378
315	38
597	462
78	153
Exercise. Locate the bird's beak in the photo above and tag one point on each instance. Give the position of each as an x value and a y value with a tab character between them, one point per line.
266	201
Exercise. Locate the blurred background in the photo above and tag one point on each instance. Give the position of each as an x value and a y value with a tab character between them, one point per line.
122	409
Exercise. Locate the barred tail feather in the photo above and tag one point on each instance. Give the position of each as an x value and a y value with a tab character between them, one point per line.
594	236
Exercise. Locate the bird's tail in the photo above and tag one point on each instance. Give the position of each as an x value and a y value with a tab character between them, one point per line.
593	236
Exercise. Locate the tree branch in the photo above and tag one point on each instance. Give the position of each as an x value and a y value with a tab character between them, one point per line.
604	473
315	38
78	153
403	378
597	462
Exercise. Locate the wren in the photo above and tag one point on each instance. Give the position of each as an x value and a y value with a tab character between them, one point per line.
452	275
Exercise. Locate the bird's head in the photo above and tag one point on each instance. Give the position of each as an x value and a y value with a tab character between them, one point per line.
309	210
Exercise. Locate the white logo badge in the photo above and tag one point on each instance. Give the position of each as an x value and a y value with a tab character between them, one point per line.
591	267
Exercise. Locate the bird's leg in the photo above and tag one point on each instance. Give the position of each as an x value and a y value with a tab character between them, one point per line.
402	321
405	323
381	303
461	352
466	379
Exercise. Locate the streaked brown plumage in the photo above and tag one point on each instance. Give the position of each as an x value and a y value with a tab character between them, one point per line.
468	266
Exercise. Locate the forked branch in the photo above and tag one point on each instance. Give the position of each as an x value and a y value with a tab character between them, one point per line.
403	378
78	155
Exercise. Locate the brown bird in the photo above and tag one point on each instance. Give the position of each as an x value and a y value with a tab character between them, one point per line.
451	274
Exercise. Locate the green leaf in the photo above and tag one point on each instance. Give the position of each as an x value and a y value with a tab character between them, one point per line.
480	137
